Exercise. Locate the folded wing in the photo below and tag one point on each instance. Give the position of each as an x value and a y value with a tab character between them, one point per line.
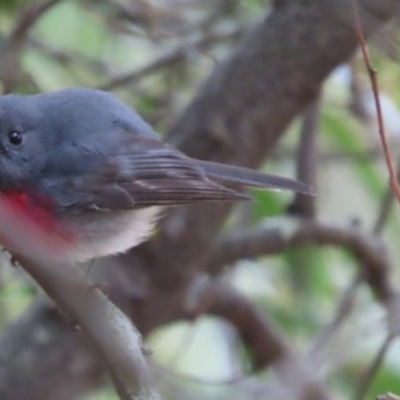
152	173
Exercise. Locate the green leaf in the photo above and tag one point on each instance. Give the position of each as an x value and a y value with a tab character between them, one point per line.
266	204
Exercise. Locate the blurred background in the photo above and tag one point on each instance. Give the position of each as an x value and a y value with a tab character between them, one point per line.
154	55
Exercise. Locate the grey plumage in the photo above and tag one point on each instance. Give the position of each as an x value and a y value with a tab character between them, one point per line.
91	155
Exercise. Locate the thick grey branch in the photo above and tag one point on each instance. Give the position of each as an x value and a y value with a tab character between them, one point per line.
104	325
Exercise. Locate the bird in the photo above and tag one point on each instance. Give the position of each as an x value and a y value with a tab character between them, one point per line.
80	164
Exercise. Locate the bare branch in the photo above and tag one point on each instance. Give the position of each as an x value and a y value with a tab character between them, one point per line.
372	370
262	339
344	308
107	328
169	58
29	17
386	207
256	331
375	89
307	162
88	309
266	240
237	117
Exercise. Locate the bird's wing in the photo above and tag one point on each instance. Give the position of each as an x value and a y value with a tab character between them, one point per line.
147	172
153	174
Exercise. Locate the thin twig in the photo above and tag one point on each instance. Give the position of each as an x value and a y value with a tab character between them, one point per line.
367	378
372	370
374	82
169	57
343	309
385	208
28	18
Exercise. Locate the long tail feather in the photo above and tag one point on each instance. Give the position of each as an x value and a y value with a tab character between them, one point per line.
248	177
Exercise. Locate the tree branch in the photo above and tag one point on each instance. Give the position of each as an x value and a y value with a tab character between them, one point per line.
261	337
237	117
254	328
106	327
266	240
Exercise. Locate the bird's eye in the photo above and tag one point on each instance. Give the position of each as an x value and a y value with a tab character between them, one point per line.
15	138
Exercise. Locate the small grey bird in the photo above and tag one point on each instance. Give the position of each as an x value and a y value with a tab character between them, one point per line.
81	162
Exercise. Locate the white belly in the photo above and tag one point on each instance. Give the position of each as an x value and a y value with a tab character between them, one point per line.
103	234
